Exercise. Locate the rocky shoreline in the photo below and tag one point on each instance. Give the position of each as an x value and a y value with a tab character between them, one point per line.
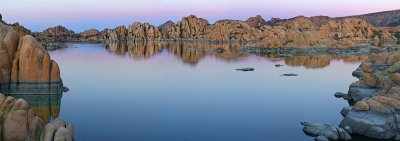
23	60
374	102
297	32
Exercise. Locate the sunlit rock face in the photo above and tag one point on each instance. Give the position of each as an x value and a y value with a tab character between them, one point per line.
143	31
90	35
298	32
20	123
375	98
190	27
26	68
169	31
25	62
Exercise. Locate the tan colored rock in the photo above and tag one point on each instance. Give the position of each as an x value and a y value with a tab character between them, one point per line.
117	34
21	30
63	134
89	33
169	31
361	106
394	68
393	58
34	64
396	78
21	124
58	31
142	32
257	22
369	79
191	26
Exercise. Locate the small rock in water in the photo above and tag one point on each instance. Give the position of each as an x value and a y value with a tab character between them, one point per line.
65	89
339	94
219	50
285	55
289	74
245	69
279	65
325	132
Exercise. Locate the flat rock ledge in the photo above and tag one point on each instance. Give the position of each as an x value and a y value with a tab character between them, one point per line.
374	102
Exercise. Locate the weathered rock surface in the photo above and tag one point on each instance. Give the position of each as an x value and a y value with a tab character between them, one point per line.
375	98
298	32
19	123
23	59
53	37
90	35
384	19
325	132
257	22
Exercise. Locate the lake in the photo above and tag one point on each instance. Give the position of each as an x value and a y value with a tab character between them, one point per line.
190	92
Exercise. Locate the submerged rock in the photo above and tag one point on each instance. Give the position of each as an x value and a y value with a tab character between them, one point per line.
325	132
289	74
245	69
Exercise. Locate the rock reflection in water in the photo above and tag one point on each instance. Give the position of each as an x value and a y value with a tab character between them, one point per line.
192	53
46	106
43	98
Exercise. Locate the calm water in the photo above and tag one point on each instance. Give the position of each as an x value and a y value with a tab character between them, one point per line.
171	92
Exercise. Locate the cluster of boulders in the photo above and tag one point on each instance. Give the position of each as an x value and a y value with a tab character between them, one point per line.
299	32
19	123
374	109
23	59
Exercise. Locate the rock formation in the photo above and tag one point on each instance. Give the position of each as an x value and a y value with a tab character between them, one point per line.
375	98
169	31
19	123
143	32
381	19
298	32
90	35
257	22
23	59
52	38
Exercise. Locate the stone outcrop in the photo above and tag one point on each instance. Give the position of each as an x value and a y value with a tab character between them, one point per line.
143	32
23	59
326	132
19	123
375	98
190	27
257	22
59	31
298	32
90	35
382	19
52	38
169	31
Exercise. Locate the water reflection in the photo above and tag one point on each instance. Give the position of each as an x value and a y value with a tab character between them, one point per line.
192	53
43	98
46	106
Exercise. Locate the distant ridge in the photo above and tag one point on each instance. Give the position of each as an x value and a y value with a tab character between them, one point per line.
380	19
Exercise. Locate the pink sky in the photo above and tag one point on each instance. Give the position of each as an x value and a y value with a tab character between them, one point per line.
100	14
